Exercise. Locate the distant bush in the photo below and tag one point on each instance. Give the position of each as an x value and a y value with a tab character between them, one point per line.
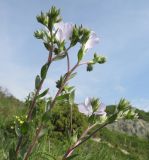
61	122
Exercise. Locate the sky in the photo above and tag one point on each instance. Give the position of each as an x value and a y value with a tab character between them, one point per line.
123	29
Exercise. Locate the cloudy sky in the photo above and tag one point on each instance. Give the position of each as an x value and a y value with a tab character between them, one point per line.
123	28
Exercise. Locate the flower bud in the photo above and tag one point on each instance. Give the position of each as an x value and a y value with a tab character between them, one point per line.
89	67
39	34
43	19
101	59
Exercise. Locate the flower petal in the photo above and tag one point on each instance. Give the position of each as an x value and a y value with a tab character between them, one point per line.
101	110
65	29
59	35
92	41
84	109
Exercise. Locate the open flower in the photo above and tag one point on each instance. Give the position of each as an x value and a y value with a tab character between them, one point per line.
101	110
92	41
64	31
87	109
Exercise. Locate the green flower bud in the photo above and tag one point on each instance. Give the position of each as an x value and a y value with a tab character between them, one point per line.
101	60
43	19
89	67
60	82
85	36
54	17
39	34
75	36
123	105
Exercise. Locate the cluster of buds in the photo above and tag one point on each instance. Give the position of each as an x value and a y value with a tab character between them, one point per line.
123	110
58	34
97	59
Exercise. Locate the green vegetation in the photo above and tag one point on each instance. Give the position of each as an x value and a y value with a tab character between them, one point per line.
142	114
112	145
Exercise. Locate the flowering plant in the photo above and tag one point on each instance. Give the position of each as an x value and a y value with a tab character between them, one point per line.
58	38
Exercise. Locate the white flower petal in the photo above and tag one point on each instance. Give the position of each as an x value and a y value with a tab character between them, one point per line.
59	35
92	41
87	101
84	109
101	110
59	25
65	29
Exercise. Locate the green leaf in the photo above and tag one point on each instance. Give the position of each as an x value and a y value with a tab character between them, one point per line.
72	157
12	153
71	97
37	82
44	71
112	118
24	128
80	54
17	130
63	97
43	93
59	57
46	116
92	119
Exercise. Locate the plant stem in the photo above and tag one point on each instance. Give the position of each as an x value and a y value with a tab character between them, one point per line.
33	143
32	105
64	82
52	105
80	141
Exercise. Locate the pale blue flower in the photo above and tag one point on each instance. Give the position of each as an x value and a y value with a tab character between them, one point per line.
86	108
64	31
92	41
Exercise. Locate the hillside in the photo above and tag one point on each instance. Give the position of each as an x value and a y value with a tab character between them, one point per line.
9	105
123	140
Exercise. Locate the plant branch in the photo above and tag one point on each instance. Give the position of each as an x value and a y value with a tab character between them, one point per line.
33	143
87	62
52	105
80	141
64	82
32	105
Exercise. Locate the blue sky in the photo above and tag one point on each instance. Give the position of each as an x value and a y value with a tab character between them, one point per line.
123	28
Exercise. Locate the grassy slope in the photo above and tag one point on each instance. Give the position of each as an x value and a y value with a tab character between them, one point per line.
9	106
138	148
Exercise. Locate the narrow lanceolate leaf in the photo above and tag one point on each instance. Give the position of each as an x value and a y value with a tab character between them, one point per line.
80	54
43	72
46	116
17	130
71	97
43	93
37	82
24	128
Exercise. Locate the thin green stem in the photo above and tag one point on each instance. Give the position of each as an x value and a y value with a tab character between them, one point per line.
80	141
